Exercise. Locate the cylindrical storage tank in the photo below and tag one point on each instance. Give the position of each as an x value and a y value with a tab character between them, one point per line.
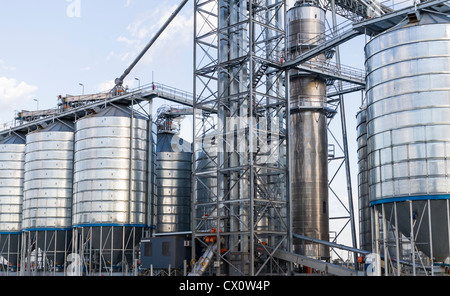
47	199
12	159
173	181
365	226
308	135
408	128
110	179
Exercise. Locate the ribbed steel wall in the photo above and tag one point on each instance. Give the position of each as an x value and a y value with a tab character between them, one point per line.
173	180
110	168
12	161
408	126
47	201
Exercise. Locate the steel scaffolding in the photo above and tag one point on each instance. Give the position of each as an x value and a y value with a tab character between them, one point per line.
240	172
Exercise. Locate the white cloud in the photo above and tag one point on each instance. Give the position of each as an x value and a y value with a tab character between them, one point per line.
106	86
125	40
14	95
110	55
85	69
177	35
9	68
11	90
3	66
128	3
109	85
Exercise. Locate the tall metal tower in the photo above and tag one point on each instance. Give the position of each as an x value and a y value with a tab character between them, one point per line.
240	172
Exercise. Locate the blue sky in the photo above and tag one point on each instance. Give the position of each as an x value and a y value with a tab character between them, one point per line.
50	46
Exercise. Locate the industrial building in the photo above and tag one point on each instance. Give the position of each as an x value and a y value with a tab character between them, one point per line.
99	185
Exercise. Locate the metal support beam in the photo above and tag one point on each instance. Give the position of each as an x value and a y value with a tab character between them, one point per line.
322	266
239	172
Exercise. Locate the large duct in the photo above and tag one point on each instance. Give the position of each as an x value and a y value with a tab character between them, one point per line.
308	134
408	128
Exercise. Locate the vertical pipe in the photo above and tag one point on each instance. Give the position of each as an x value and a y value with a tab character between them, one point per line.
397	239
288	164
55	252
124	265
130	164
194	137
36	252
252	134
430	229
112	250
101	251
385	245
448	223
411	224
377	268
90	232
150	179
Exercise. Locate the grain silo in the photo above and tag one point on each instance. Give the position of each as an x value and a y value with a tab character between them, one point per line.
173	181
408	132
110	187
12	159
47	196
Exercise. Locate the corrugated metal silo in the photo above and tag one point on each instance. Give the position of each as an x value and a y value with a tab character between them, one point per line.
12	160
47	200
408	129
173	180
110	183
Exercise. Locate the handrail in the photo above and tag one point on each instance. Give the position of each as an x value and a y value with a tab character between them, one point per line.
158	89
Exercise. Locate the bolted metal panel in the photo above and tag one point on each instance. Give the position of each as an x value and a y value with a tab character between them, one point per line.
173	181
47	201
408	125
12	159
110	164
309	148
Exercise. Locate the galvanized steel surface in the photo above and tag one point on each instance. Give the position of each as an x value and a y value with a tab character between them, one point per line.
47	201
408	128
173	181
12	160
110	156
408	113
306	26
309	145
